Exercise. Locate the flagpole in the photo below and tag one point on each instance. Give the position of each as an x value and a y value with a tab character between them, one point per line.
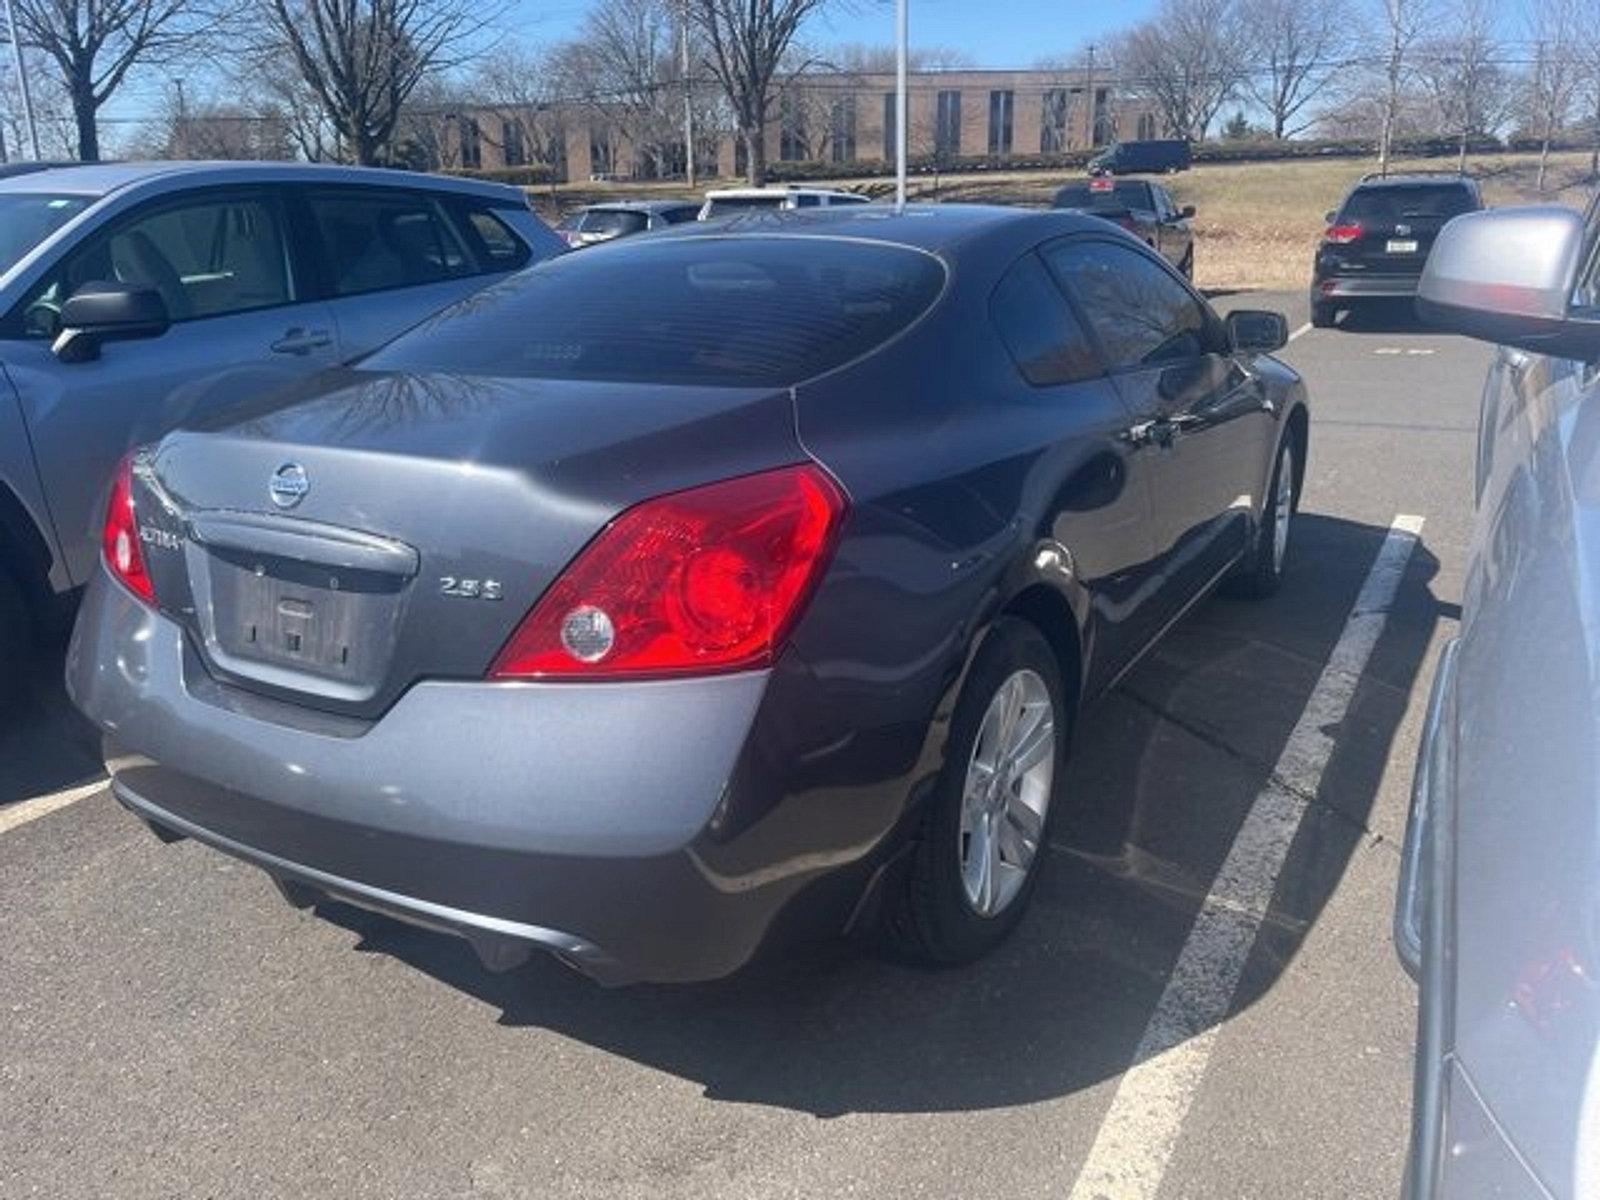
902	25
22	79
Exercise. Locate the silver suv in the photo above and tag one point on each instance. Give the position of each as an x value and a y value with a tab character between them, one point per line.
135	296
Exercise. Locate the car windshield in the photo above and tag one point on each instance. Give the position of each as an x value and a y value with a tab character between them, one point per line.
723	205
1397	203
613	220
27	218
1121	194
736	312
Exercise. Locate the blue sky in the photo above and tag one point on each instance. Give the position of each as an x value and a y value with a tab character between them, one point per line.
1007	33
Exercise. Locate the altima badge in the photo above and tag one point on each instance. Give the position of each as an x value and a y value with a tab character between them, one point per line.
288	485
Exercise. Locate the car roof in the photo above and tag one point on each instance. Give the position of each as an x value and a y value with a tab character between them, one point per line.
789	190
101	179
1415	178
936	228
639	205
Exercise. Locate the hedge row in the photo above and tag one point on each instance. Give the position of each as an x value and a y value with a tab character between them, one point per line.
528	176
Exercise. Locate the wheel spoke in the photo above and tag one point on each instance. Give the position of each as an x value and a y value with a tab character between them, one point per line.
1035	744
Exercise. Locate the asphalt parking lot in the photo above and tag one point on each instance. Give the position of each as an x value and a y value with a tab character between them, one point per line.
172	1029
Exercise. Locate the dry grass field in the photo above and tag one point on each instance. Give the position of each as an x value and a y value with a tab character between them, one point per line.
1257	223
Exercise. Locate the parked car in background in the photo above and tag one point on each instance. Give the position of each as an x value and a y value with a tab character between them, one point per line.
1145	209
1499	906
1152	157
1378	239
721	581
605	222
134	296
721	202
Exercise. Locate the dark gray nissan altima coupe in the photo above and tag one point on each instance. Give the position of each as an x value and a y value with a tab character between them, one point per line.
694	587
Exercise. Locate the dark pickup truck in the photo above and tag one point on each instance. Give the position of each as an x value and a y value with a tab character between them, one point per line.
1143	208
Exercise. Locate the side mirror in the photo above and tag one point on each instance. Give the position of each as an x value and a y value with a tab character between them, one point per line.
1254	331
108	312
1508	275
1329	217
1186	212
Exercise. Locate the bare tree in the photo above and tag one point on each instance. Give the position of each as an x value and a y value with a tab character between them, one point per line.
361	59
52	111
633	49
1588	57
1463	74
746	44
1404	22
1553	80
95	44
1296	44
1190	59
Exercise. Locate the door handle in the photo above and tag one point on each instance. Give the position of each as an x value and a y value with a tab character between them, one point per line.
1159	432
302	341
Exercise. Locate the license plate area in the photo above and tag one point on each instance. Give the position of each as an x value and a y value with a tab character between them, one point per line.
1401	246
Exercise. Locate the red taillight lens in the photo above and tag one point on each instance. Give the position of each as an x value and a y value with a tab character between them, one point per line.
1342	235
701	581
120	540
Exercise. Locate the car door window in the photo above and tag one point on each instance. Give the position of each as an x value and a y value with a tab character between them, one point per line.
1034	321
498	247
1141	315
207	257
375	239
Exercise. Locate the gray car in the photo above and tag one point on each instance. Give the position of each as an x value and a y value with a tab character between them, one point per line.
1499	908
135	296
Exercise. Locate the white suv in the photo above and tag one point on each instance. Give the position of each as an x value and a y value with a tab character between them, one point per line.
723	201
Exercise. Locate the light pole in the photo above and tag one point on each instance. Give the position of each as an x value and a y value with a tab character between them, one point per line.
22	79
901	35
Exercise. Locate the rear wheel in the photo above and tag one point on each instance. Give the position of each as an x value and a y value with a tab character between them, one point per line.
1323	316
978	854
1187	265
16	642
1260	574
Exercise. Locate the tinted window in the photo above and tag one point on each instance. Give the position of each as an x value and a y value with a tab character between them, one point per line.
806	200
1033	319
376	239
676	216
1396	203
724	205
613	221
759	312
1121	194
26	220
1139	312
207	258
499	247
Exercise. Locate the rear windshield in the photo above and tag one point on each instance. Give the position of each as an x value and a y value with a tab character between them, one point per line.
1409	201
27	218
1122	194
724	205
737	312
613	221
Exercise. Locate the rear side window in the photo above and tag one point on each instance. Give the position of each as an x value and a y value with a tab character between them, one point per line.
376	239
724	205
613	220
1141	315
677	216
1044	338
745	312
500	249
1414	201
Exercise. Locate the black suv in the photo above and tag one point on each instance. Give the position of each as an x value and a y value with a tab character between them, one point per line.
1379	238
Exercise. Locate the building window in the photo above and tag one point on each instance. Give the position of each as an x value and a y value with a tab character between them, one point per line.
947	126
889	127
1054	137
516	153
791	130
1002	107
471	143
843	133
1102	117
601	159
1147	126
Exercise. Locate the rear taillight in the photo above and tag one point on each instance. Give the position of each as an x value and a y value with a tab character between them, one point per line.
120	540
1129	224
695	582
1342	235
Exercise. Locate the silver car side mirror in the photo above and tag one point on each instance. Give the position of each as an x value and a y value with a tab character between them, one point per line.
1509	276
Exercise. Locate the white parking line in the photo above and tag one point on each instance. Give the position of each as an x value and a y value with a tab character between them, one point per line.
1306	328
14	815
1135	1143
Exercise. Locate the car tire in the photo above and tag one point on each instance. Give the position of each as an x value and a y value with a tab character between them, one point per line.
977	855
16	643
1260	573
1323	316
1186	267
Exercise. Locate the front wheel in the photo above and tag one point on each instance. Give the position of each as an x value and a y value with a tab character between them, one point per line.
1260	573
978	854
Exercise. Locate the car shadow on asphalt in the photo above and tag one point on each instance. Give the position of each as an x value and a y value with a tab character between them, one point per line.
46	745
1386	317
1164	771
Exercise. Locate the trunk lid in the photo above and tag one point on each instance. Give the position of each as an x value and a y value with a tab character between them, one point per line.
332	548
1399	225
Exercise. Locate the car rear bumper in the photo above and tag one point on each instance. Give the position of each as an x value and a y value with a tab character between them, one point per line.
570	818
1339	287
